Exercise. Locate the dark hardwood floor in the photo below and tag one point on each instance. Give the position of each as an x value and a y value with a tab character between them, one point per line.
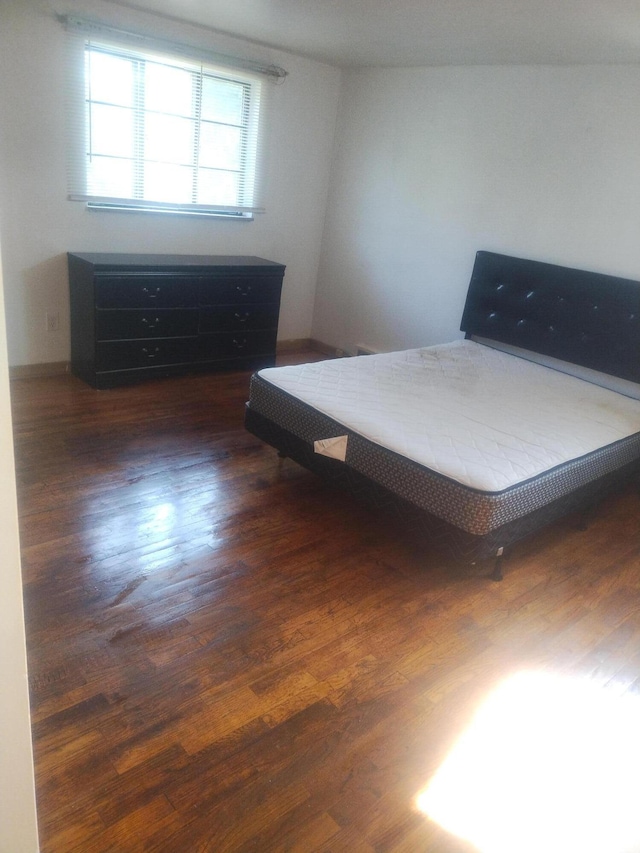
227	655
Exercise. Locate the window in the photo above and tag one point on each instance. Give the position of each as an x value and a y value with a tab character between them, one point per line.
153	130
158	131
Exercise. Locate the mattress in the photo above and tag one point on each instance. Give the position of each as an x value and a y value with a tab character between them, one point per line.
473	435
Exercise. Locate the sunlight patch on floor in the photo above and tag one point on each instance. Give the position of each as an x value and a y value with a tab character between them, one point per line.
550	763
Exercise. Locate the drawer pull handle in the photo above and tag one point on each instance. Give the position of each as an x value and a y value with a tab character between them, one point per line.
151	353
243	291
152	294
240	344
242	318
149	324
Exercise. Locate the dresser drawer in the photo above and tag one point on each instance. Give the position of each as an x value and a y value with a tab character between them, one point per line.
243	344
230	289
145	291
231	318
121	355
163	323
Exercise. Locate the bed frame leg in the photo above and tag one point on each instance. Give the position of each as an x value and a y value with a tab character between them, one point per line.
586	517
496	574
281	457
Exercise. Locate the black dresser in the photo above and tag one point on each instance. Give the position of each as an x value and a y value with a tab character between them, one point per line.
139	316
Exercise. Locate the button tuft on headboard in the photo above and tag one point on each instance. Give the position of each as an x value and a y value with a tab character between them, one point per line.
574	315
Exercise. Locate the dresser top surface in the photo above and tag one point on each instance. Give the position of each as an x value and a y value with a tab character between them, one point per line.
113	260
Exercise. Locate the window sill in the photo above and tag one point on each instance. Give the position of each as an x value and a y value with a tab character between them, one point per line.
115	208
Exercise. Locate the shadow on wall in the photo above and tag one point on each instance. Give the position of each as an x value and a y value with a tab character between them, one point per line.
45	331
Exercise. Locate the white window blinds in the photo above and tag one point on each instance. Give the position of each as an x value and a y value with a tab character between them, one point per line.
151	130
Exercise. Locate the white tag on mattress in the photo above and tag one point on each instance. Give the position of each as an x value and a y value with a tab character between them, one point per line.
336	447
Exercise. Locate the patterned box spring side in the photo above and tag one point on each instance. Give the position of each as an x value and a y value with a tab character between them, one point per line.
473	511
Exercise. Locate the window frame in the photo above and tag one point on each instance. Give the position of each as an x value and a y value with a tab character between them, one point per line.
250	151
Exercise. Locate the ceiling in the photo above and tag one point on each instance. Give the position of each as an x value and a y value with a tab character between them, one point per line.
353	33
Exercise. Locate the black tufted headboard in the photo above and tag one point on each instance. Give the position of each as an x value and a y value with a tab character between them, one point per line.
585	318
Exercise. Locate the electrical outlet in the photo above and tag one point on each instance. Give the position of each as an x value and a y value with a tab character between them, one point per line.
53	321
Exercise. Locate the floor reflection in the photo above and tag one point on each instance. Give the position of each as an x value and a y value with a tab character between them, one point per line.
550	763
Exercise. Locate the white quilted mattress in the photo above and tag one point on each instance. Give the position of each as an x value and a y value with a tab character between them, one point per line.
480	417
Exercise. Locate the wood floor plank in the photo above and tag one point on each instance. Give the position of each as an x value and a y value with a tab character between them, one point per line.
227	655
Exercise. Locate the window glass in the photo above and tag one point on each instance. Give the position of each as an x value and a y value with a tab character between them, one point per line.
223	101
109	78
111	130
110	177
168	138
214	184
168	89
220	146
167	182
163	131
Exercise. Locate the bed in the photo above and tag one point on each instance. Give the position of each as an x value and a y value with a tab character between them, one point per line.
482	441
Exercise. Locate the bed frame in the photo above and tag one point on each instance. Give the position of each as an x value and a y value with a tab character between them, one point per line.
588	319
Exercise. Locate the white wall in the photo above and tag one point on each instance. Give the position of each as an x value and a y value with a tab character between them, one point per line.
39	225
18	827
433	164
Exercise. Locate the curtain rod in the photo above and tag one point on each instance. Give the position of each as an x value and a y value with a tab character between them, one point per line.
94	28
